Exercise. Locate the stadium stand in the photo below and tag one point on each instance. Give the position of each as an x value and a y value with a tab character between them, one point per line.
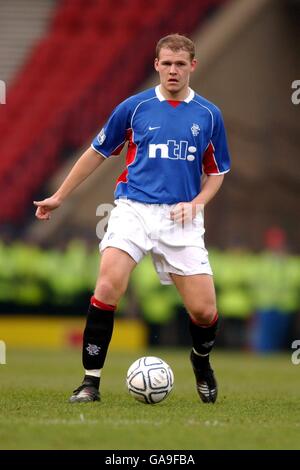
74	76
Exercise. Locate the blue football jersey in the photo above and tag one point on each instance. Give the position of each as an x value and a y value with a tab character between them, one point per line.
170	145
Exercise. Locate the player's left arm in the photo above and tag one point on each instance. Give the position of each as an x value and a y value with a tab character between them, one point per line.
210	187
185	211
215	163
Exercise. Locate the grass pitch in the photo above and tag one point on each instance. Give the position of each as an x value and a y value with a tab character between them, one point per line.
258	405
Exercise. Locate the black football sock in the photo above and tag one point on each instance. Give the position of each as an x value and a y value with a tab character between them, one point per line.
97	335
203	339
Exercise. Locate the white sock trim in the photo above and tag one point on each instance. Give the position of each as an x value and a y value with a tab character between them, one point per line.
93	372
198	354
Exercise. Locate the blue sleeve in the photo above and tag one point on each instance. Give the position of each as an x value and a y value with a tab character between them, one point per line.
113	135
216	158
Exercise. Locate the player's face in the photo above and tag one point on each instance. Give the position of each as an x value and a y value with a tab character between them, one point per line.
174	70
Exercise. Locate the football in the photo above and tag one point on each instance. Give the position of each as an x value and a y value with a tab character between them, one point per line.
149	379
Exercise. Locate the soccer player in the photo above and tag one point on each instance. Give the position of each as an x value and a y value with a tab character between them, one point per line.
175	137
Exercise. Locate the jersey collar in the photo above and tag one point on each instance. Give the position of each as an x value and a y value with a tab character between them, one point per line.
189	97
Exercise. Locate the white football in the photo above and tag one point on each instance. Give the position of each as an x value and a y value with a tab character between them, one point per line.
149	379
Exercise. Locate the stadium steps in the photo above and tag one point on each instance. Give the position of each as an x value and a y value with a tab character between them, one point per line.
21	25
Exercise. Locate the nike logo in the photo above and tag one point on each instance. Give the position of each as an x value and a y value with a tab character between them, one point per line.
152	128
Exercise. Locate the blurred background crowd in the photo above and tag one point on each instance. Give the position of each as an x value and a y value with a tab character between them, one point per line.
65	65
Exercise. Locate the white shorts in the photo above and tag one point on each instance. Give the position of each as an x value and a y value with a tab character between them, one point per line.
139	229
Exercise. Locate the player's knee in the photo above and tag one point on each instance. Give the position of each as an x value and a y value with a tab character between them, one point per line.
108	291
203	314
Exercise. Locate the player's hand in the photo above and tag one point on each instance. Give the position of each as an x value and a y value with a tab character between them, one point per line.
185	212
45	207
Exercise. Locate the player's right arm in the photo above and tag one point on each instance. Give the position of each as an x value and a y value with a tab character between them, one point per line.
85	165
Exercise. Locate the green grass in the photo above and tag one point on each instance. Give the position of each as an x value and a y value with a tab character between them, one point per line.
258	405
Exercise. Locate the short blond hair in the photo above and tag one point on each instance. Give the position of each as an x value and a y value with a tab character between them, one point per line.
176	42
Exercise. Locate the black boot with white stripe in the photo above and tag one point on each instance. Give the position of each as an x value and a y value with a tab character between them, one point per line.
206	383
88	391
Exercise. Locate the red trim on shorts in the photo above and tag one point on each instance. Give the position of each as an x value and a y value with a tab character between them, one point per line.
97	303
